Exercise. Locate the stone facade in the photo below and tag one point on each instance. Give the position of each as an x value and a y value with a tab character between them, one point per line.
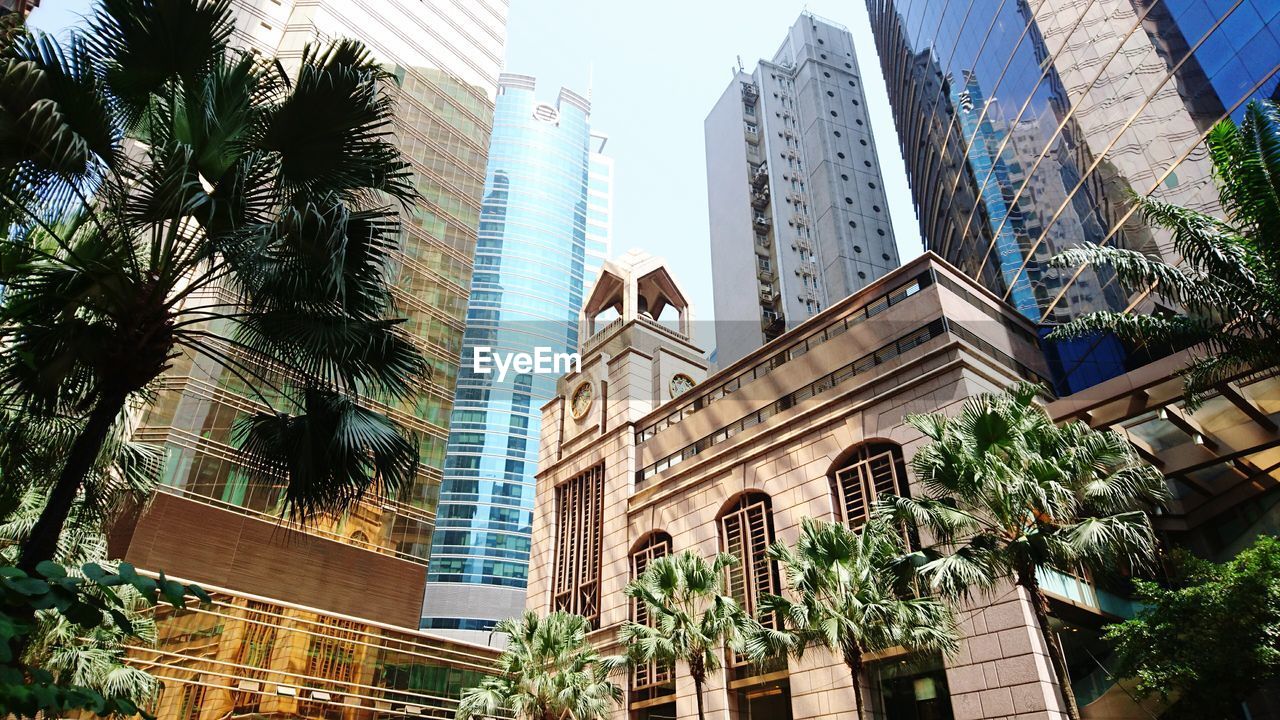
775	428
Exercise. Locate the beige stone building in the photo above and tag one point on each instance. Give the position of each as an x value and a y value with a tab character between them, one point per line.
644	454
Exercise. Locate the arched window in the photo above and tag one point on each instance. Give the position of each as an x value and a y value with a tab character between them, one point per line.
575	585
652	679
867	472
746	532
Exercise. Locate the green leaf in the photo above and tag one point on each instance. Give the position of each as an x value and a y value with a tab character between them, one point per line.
145	586
122	621
94	572
200	593
51	570
30	587
84	615
175	593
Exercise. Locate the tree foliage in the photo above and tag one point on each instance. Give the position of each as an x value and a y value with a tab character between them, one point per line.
91	599
548	671
1225	279
1210	638
173	200
692	619
853	595
1008	493
74	656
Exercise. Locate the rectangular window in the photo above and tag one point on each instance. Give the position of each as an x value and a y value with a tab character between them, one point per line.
579	527
648	679
747	532
876	470
192	699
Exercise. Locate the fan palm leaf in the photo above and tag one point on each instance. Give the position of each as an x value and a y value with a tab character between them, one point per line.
1009	494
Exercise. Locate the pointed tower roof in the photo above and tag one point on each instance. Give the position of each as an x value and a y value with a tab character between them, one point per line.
636	285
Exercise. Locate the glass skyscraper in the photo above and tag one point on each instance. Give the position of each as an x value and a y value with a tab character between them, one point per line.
1025	124
544	230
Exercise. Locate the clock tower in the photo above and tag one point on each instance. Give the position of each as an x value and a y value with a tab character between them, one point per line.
636	353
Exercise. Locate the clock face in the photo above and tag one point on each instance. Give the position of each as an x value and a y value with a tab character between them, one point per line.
580	403
680	384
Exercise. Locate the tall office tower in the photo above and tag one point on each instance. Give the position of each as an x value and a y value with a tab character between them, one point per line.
545	218
1025	125
797	208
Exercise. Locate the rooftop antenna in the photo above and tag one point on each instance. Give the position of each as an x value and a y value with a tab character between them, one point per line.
591	71
740	68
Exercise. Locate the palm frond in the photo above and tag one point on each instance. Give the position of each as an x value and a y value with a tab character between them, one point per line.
548	669
331	455
333	130
144	45
59	119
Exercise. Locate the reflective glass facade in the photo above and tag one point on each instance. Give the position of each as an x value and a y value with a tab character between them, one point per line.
599	210
1025	124
445	59
542	205
252	658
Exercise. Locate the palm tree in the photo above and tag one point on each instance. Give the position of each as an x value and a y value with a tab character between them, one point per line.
690	617
1228	280
1010	494
175	200
548	671
852	597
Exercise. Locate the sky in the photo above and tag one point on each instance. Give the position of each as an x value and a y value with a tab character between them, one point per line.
653	70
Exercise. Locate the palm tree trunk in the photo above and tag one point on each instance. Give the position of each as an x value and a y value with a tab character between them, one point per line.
699	674
1040	604
853	658
42	543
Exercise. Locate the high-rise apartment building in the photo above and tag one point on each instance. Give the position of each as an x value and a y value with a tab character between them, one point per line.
321	621
545	222
797	207
1025	124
